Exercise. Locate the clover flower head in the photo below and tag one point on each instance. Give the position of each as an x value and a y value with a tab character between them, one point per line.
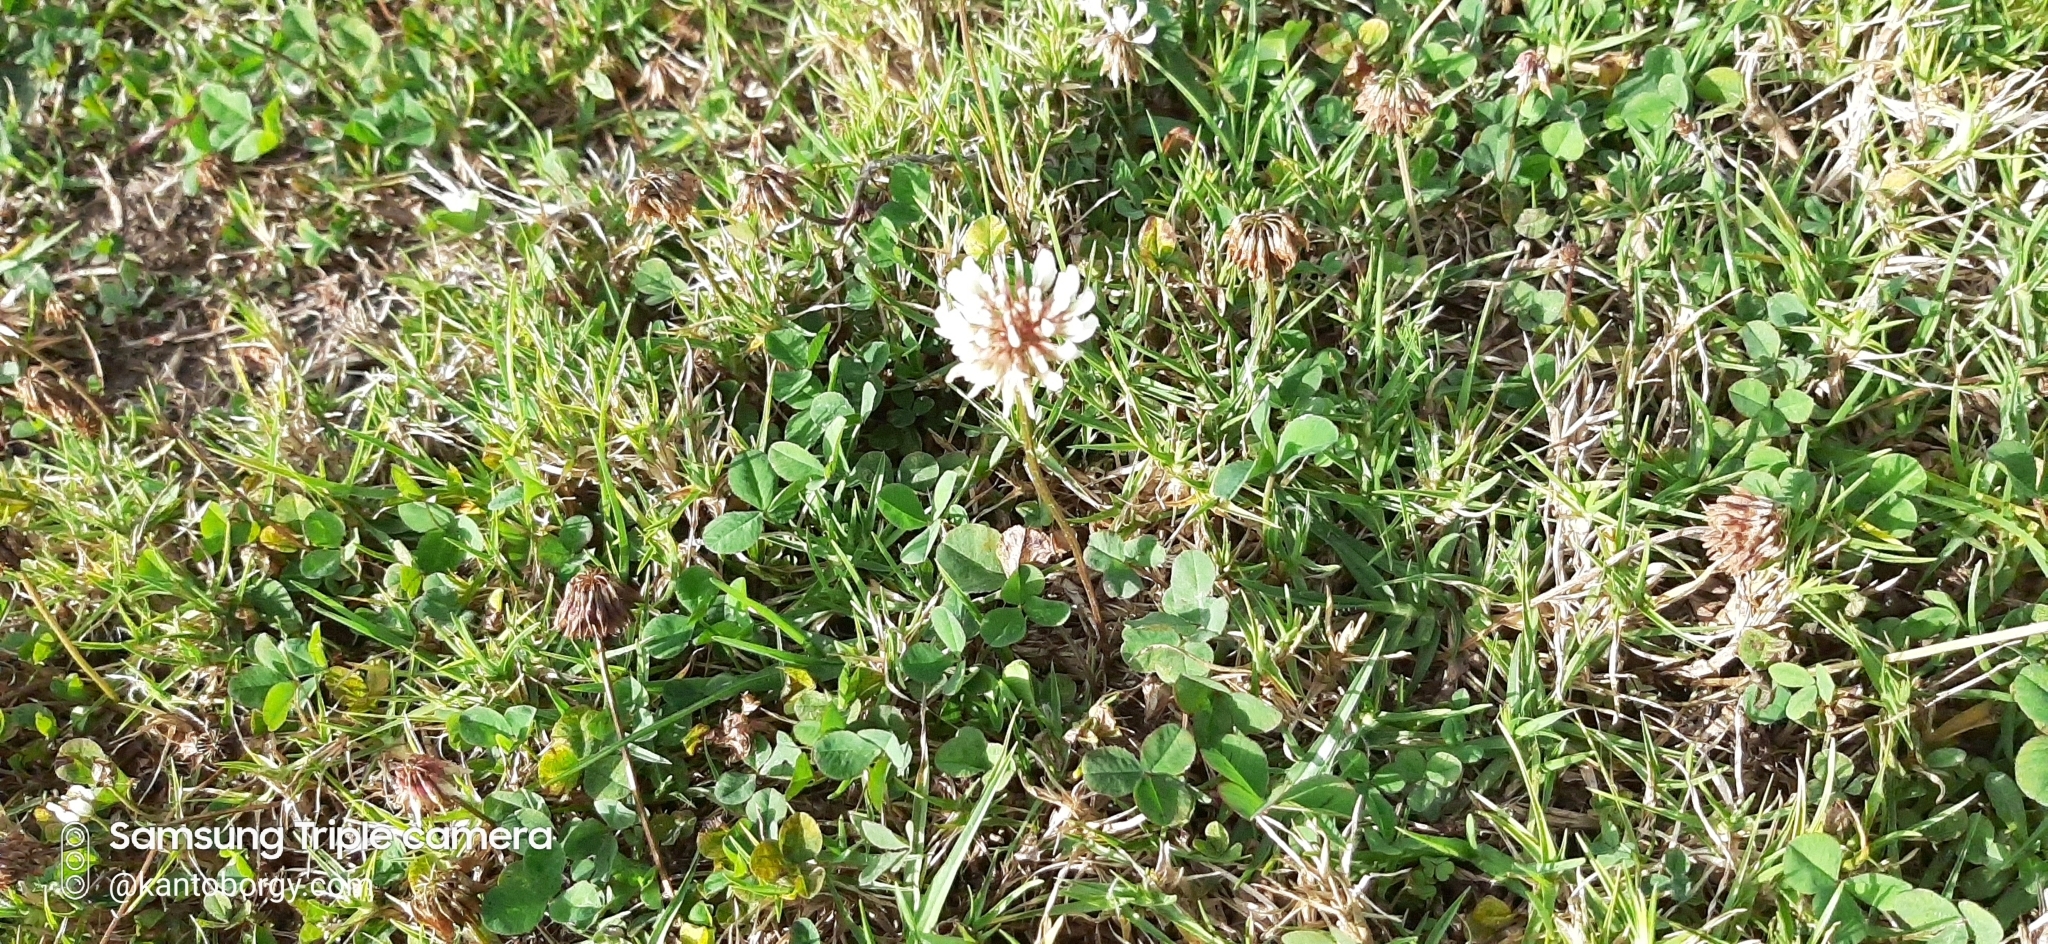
1012	328
1120	33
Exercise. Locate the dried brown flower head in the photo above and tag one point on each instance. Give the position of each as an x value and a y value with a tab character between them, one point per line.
1178	141
1099	725
664	78
734	736
59	400
1744	532
1121	31
1570	257
1531	71
1265	243
57	312
766	189
184	739
594	606
1390	104
21	858
210	173
1022	545
446	902
14	548
1608	69
421	784
662	196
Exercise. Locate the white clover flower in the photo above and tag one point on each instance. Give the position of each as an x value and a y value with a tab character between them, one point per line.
1012	330
1115	43
75	806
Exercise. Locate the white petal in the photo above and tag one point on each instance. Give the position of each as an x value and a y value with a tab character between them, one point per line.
1063	291
960	336
1044	270
1093	8
968	287
1145	38
978	378
1082	304
1080	329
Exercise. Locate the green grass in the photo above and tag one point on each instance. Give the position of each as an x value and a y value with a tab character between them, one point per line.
335	346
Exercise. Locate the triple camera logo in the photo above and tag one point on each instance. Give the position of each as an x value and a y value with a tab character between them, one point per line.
74	863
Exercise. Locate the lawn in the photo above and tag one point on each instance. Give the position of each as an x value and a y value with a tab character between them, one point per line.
1316	472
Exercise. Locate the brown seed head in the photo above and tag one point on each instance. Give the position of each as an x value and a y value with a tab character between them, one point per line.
184	739
594	607
421	784
1022	545
21	858
1391	104
1744	532
446	902
664	78
734	737
58	399
662	196
57	311
768	188
1570	257
14	548
1265	243
1178	141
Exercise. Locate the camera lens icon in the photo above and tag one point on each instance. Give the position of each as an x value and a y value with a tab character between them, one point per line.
74	861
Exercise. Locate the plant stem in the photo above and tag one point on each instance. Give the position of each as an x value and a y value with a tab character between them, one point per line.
611	705
1408	193
1265	324
1027	429
35	599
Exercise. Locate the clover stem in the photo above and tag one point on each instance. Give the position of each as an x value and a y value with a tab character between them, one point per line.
1027	429
99	681
611	705
1265	323
1408	192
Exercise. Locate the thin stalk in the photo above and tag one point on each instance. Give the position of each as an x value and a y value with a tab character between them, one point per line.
1408	192
128	903
35	599
611	706
1027	430
1265	324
